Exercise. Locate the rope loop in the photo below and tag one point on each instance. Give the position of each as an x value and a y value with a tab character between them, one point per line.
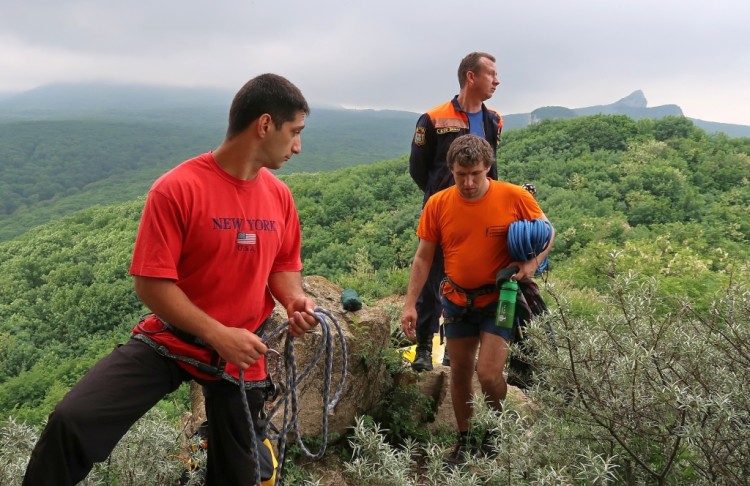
293	389
527	239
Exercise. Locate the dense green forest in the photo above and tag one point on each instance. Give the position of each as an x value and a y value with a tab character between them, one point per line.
660	199
44	161
673	199
53	167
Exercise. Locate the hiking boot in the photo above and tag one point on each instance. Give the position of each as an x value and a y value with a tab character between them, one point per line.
459	455
423	359
487	447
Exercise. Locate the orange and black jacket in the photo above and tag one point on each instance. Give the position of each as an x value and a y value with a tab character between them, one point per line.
434	133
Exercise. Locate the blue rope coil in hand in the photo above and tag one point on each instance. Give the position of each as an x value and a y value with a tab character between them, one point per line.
293	381
527	239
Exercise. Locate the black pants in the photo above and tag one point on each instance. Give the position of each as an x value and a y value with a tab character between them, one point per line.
428	302
95	414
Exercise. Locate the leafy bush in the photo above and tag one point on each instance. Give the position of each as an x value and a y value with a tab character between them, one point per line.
526	456
403	411
637	386
650	381
149	454
16	442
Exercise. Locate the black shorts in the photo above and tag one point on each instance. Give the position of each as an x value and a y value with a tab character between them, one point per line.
470	322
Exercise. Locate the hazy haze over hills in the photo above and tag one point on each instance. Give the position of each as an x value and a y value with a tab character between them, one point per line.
178	104
548	52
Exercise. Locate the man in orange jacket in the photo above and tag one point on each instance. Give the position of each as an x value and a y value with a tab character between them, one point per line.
435	130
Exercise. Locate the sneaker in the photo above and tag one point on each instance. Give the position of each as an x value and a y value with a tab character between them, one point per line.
423	359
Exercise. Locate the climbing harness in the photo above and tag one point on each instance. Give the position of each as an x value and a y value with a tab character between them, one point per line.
216	370
292	388
527	239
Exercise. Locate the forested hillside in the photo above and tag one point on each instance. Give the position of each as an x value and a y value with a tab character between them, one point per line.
53	167
44	162
659	201
64	148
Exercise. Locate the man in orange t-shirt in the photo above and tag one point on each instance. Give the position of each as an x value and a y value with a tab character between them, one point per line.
470	222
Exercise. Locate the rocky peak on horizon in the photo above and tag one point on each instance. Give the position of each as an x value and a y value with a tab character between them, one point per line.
634	105
636	99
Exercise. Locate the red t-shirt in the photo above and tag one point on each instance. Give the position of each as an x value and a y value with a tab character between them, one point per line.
474	234
219	238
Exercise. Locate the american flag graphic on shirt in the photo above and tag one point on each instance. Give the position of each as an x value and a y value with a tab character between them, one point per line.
246	238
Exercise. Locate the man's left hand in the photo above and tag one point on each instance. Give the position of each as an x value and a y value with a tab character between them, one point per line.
301	316
526	270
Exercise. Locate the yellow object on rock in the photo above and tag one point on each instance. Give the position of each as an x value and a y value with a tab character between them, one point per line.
438	350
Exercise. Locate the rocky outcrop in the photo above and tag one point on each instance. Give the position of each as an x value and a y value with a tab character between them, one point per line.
636	99
436	384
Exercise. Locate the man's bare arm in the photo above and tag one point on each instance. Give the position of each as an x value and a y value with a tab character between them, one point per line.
420	269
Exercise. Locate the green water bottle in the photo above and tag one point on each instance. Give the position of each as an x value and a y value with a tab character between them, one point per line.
350	300
506	304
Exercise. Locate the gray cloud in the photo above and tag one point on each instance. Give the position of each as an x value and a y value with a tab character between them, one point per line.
395	54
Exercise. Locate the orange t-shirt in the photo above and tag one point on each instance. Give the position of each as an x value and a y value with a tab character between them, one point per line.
474	234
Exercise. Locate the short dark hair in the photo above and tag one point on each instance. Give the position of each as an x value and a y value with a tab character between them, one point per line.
469	149
471	63
266	93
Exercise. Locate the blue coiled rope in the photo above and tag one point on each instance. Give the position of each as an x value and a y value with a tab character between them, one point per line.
290	398
527	239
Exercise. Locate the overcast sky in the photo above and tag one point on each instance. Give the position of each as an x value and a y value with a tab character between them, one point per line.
399	54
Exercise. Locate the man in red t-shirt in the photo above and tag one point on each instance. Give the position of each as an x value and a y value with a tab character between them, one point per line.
219	239
470	222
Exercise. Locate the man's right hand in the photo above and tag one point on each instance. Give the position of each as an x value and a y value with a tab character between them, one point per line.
239	346
409	322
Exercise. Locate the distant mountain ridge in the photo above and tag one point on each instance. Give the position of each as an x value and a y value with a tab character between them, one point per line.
85	100
65	148
634	105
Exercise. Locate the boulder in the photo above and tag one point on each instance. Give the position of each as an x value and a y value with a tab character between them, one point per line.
367	333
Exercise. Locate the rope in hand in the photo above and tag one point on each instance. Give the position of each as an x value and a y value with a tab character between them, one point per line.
527	239
291	392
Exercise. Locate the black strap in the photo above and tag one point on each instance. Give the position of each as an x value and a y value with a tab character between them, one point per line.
471	294
182	335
